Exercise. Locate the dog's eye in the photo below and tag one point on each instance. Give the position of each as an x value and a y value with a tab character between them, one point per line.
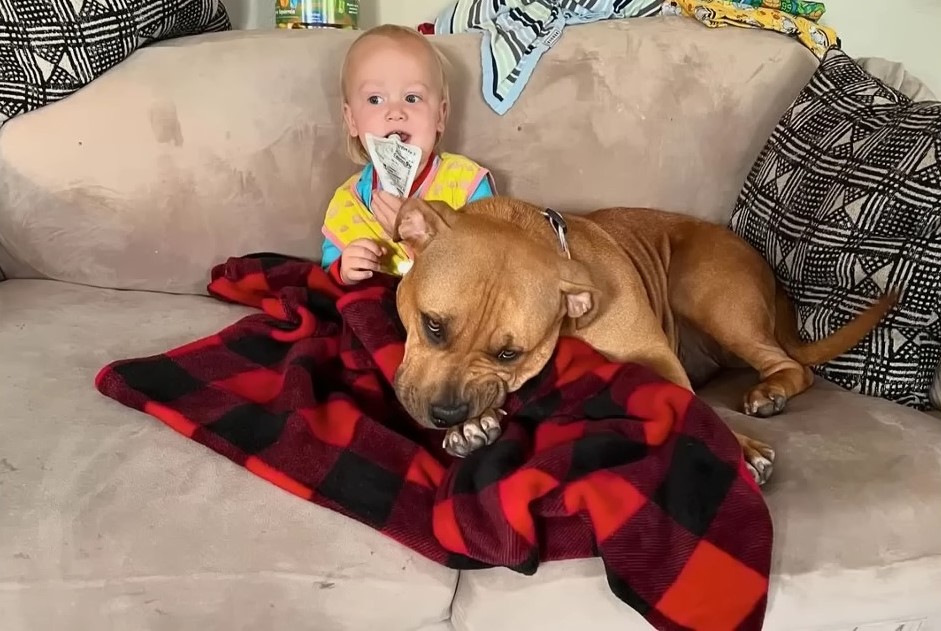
433	327
507	355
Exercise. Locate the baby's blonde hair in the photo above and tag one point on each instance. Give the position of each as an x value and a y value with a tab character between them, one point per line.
354	148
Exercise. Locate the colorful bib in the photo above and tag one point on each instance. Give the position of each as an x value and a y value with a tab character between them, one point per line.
452	179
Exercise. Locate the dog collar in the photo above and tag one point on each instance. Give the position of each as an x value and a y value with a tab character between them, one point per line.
560	227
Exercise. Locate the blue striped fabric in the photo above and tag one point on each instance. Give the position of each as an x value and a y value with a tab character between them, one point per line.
516	33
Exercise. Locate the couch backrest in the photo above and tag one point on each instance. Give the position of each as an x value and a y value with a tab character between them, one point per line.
206	147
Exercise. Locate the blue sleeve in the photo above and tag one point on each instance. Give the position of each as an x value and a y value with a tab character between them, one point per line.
364	186
328	253
483	190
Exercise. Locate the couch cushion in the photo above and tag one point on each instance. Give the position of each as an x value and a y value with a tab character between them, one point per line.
856	505
108	512
60	47
845	204
146	178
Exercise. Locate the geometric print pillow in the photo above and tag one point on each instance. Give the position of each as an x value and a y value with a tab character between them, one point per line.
49	49
844	202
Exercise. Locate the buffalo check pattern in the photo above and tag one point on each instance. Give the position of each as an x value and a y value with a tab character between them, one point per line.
596	458
49	49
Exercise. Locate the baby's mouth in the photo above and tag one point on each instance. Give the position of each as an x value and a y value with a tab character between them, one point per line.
403	137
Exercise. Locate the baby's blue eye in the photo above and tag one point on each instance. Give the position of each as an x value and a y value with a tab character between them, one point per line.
412	98
374	100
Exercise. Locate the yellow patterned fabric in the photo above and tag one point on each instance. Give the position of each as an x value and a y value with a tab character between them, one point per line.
801	8
452	179
718	13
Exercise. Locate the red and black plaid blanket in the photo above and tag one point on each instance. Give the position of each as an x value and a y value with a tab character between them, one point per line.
596	458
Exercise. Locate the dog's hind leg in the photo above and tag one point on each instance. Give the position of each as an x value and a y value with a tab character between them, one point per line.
728	292
752	340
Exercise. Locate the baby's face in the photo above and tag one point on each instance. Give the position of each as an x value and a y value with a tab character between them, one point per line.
392	88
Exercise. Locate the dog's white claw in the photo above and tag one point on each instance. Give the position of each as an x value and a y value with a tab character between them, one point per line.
455	444
488	424
761	468
461	440
475	435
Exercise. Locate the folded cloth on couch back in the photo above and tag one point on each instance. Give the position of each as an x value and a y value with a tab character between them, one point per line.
51	49
810	10
596	458
518	32
722	13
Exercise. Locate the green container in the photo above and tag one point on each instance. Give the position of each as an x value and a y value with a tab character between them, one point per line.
317	13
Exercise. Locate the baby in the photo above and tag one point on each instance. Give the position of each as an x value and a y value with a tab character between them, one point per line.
393	82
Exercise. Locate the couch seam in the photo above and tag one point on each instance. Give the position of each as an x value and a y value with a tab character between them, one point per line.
98	582
457	586
925	557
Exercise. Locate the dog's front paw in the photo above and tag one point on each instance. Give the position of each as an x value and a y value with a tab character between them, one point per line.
759	458
461	440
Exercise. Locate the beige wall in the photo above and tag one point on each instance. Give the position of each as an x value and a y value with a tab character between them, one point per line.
260	13
908	31
410	12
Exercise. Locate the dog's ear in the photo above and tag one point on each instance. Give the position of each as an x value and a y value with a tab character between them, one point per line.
419	221
580	295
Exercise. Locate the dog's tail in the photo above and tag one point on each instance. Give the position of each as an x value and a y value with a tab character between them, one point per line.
838	342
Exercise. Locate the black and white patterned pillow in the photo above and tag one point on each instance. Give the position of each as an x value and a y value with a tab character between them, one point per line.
51	48
844	201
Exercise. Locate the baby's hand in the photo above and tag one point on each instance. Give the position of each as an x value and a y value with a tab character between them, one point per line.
359	260
385	208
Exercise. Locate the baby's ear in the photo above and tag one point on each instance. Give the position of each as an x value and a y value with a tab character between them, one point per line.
419	221
350	122
443	116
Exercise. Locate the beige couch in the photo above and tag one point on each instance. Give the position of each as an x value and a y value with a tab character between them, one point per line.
202	148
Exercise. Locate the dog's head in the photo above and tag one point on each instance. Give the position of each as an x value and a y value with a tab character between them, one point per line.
482	307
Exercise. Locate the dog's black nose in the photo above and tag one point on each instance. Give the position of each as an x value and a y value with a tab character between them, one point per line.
448	414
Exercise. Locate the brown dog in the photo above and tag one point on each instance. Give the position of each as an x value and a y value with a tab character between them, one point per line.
492	288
